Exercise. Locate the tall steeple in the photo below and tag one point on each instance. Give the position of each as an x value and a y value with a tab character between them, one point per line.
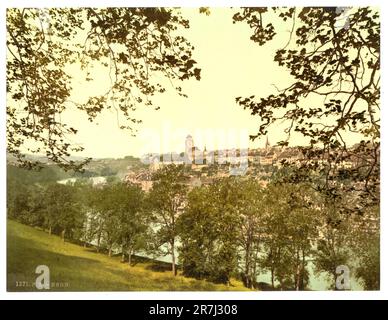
267	145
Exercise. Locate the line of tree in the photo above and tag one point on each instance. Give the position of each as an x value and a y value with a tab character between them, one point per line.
234	227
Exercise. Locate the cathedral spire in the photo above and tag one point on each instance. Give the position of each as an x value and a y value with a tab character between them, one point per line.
267	145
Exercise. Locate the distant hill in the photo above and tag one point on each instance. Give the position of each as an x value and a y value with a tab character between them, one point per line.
97	167
40	158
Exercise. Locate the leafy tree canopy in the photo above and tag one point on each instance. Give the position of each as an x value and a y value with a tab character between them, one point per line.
136	47
333	55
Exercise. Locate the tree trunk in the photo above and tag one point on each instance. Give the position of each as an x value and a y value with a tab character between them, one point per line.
130	257
335	281
98	241
297	278
297	282
49	231
173	257
63	235
303	262
110	251
247	280
254	270
122	254
271	253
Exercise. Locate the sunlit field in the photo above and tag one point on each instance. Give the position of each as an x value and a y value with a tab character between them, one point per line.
75	268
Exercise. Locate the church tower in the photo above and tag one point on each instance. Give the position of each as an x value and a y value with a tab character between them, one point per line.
267	145
189	149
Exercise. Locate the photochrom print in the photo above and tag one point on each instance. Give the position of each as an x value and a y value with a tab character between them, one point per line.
193	149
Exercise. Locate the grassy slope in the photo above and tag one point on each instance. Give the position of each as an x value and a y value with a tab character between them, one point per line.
85	270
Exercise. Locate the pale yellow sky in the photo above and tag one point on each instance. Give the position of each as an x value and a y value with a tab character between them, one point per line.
232	65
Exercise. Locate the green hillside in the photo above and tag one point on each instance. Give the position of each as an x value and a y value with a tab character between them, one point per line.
75	268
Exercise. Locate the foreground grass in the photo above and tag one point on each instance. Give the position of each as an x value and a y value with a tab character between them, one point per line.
75	268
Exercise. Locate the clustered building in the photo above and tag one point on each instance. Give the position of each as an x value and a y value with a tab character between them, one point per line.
205	166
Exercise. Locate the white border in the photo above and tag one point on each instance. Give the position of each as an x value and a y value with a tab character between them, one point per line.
311	295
